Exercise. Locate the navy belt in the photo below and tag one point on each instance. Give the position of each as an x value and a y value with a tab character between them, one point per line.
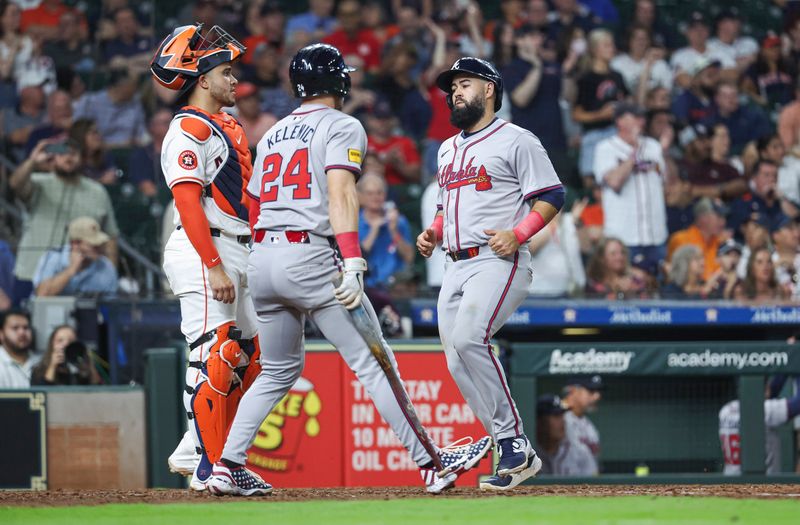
466	253
216	232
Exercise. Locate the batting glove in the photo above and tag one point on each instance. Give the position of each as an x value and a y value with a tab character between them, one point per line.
349	292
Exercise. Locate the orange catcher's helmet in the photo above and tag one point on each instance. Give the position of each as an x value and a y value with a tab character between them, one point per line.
186	54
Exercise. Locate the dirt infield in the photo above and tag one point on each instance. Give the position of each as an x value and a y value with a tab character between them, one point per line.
99	497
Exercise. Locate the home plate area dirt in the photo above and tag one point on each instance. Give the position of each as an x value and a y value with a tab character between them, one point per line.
100	497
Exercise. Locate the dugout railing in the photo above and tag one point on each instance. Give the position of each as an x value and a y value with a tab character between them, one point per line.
659	414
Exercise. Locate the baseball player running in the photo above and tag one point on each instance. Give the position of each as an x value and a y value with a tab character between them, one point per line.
304	194
206	162
487	174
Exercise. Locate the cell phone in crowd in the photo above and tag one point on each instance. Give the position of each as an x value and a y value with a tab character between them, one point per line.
57	148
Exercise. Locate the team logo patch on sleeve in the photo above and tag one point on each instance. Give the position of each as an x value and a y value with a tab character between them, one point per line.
187	160
353	155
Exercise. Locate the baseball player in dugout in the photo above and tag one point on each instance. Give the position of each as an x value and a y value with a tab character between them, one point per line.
304	215
206	162
489	174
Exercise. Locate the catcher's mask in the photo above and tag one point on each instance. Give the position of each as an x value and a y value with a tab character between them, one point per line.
185	54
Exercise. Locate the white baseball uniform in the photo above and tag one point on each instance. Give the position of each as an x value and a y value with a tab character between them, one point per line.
637	215
485	180
209	150
776	413
291	268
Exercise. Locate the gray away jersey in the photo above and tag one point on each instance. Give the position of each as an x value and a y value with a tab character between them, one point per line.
486	178
289	175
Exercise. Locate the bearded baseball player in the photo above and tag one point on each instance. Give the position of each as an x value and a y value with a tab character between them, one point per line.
488	176
206	162
304	203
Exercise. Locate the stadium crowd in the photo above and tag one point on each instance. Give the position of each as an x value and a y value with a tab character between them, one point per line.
677	134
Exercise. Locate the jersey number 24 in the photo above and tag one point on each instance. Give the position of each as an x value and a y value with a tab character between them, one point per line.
296	174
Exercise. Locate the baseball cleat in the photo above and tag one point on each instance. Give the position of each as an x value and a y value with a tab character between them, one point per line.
501	483
236	481
464	454
436	484
514	454
184	459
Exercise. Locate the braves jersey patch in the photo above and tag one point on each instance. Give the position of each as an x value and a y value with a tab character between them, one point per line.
187	160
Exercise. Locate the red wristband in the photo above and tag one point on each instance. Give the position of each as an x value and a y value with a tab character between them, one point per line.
529	226
438	227
348	244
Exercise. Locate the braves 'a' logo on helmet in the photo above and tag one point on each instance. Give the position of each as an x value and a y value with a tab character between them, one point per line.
187	160
185	54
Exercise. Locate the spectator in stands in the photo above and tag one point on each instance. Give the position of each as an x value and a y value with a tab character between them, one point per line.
763	197
248	106
80	266
53	199
279	100
707	233
630	167
66	361
581	395
567	14
561	455
599	89
705	166
777	411
384	234
58	121
789	123
373	17
469	33
116	110
643	66
439	127
414	29
769	81
786	257
645	14
97	162
760	285
16	50
723	282
770	147
262	70
743	122
394	79
43	20
556	256
360	98
696	103
792	36
685	280
313	25
396	152
6	275
71	50
534	86
17	356
684	59
263	23
145	161
728	42
128	49
352	39
609	274
18	123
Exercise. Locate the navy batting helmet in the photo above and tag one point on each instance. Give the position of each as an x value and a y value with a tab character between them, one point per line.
476	67
319	69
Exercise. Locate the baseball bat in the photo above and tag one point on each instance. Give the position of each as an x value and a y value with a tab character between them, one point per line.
380	351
